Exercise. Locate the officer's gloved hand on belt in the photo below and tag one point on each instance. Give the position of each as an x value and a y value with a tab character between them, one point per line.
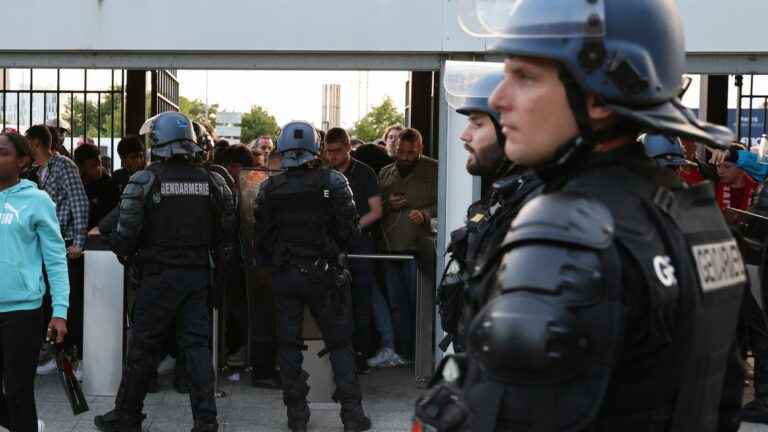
443	408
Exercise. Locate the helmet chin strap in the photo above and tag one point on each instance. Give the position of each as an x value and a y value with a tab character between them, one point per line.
504	165
576	150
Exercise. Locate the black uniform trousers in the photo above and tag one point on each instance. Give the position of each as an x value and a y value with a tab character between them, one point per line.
170	298
363	280
263	332
294	289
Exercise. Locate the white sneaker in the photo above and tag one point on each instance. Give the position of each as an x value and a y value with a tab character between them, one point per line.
394	361
382	358
79	371
168	364
40	426
47	367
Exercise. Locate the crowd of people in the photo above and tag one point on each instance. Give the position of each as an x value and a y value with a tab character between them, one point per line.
395	189
597	284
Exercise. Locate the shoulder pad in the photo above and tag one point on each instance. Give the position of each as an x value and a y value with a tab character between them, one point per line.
217	178
337	180
563	217
143	177
221	171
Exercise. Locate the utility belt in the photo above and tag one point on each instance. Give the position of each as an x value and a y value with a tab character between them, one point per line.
324	272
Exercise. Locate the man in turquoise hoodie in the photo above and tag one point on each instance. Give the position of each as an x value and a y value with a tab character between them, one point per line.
30	237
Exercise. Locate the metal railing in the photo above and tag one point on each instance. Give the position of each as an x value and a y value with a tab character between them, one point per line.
750	98
425	314
87	107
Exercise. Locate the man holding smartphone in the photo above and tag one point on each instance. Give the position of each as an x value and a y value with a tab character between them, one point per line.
409	191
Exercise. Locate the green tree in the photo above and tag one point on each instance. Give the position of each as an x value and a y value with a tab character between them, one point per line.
99	120
196	111
256	123
373	125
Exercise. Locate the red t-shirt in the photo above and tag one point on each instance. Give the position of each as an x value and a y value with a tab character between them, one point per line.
740	198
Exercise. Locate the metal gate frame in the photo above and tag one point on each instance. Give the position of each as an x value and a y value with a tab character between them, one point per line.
751	97
6	93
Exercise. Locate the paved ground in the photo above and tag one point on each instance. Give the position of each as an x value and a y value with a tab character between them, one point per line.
389	401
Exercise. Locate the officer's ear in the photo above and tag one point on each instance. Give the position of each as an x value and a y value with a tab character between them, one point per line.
597	109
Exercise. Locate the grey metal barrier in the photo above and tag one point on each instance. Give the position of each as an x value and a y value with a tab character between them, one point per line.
425	317
425	314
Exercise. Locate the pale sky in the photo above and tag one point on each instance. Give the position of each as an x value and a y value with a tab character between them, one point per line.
295	95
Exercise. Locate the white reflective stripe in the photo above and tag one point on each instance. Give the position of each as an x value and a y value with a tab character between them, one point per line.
719	265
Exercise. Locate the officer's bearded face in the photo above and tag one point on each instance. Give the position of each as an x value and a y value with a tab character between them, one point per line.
535	115
480	141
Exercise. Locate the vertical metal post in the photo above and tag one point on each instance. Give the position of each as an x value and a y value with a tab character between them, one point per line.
85	105
122	103
5	88
98	121
112	120
58	99
72	122
739	93
751	92
31	97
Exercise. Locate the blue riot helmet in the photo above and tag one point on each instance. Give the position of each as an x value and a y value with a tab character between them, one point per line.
468	86
299	143
629	53
666	151
169	134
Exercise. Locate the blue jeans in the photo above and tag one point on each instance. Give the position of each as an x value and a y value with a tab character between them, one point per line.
382	318
401	286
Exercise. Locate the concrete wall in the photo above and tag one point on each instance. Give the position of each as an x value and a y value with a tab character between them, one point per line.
407	26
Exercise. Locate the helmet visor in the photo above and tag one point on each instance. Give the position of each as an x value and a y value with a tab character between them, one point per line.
147	126
463	80
532	18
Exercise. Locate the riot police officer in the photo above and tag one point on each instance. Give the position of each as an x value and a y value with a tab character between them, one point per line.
173	216
616	303
473	246
305	217
666	151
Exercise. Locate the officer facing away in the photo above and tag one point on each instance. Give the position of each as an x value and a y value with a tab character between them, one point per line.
666	151
173	215
618	295
473	247
305	217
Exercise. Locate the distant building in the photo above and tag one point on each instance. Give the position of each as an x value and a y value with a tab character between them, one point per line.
228	126
331	106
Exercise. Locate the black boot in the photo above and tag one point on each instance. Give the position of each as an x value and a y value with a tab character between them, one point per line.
352	414
115	421
298	415
180	378
153	386
361	362
755	411
206	426
181	383
267	381
295	398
